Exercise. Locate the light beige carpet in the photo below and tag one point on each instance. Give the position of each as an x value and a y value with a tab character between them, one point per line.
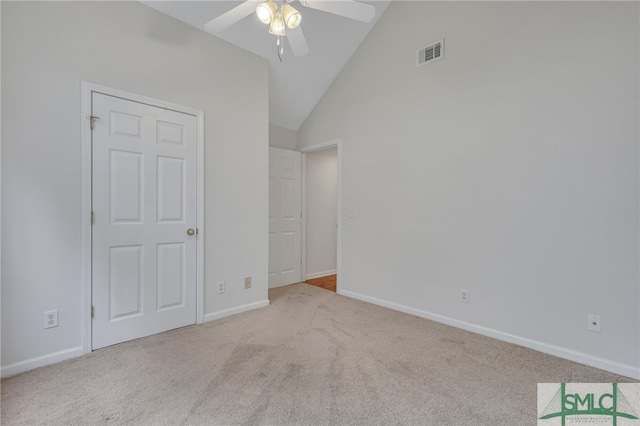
311	358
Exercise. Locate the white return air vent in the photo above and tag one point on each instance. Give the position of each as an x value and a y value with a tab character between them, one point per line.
431	53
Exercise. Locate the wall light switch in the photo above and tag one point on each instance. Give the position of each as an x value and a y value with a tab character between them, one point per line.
352	212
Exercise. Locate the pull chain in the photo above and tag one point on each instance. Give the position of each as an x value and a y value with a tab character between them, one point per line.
280	47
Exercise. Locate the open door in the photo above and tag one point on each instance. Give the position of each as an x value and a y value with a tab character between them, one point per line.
285	199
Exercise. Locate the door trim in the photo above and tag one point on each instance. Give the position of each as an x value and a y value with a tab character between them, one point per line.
86	89
305	150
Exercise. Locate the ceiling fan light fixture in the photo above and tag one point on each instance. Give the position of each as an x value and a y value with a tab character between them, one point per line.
291	16
266	11
277	25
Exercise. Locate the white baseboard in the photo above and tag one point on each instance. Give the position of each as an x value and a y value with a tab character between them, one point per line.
41	361
237	310
582	358
319	274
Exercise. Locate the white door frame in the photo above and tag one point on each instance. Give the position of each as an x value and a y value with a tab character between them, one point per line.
86	88
307	149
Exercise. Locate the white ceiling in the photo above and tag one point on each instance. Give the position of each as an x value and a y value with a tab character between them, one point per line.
297	83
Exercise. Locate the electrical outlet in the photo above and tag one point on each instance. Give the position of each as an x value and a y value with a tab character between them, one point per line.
247	282
464	295
51	319
595	323
221	287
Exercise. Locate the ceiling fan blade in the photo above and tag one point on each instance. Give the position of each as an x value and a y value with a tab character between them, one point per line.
229	18
297	42
348	8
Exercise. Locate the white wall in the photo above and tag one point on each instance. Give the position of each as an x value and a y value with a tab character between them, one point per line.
279	137
321	192
47	49
0	182
509	168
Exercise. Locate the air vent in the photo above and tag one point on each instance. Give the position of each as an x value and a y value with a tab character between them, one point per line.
431	53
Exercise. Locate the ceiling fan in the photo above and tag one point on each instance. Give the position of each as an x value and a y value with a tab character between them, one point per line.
284	20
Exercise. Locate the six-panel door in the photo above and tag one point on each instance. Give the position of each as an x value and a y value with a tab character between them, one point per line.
144	202
285	253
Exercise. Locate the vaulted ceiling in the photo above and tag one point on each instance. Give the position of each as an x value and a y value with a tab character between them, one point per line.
298	82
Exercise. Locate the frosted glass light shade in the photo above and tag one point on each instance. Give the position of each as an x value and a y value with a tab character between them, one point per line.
291	16
277	25
266	11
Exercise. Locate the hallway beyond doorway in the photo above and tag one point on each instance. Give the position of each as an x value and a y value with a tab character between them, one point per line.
327	282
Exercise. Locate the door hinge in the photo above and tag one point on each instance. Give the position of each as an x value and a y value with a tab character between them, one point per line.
93	218
93	312
92	120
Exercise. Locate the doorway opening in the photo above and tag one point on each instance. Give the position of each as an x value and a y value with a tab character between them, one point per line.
321	204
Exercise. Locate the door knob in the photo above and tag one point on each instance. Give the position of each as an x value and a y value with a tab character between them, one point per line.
191	231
